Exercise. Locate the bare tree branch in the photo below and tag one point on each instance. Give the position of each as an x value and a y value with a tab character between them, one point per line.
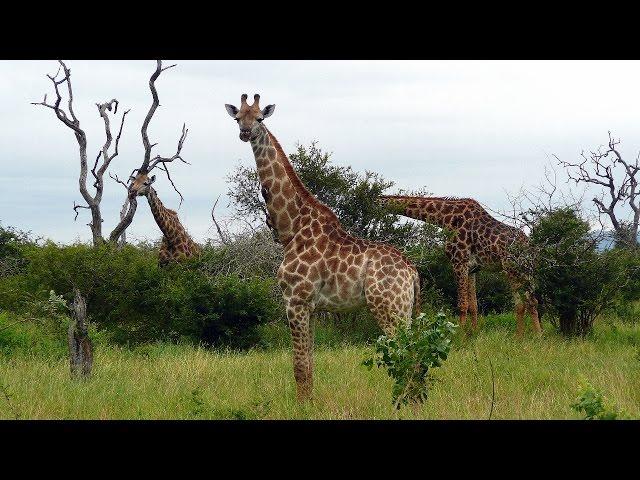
223	238
70	120
76	207
145	167
106	154
619	185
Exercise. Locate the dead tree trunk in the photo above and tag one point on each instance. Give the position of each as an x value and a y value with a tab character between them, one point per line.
103	158
80	347
614	175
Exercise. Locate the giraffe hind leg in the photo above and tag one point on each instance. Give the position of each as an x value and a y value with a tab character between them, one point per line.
472	301
389	305
462	279
532	304
520	310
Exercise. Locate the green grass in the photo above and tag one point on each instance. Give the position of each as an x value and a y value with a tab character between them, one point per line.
535	378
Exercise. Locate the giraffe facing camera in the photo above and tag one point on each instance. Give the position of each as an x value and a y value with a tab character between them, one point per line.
248	116
324	267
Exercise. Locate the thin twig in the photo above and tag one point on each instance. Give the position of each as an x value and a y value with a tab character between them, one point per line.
213	217
493	390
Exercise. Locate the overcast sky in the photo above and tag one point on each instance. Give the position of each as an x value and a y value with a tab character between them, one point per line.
478	129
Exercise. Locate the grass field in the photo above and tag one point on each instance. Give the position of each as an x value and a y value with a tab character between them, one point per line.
535	378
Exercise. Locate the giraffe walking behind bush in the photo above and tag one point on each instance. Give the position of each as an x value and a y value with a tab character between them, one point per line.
479	239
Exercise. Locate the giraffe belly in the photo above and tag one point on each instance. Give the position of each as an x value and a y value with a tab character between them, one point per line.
337	294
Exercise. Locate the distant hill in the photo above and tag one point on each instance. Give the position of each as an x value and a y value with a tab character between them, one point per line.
608	240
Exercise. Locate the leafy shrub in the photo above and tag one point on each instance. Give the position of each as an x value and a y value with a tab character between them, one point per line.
222	310
574	280
590	403
12	242
416	347
28	335
137	301
628	308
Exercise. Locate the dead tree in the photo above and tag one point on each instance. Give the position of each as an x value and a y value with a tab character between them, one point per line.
104	156
148	163
616	177
80	346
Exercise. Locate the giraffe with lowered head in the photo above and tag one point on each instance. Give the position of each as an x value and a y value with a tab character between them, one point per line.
478	239
324	267
177	245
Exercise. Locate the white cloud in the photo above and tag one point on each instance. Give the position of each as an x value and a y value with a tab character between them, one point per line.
466	128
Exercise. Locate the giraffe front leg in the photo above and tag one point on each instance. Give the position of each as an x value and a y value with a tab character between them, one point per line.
472	301
299	317
532	303
520	309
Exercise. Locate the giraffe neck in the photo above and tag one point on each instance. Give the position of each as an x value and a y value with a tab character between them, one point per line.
288	201
166	219
434	210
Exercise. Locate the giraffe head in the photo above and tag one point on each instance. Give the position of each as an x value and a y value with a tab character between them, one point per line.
141	184
249	116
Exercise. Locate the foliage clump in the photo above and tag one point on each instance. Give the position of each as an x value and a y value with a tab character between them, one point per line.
136	301
591	405
417	346
575	281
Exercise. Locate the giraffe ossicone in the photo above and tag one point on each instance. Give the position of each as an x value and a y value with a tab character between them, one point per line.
324	267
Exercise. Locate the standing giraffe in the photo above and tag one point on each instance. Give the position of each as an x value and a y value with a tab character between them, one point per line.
176	245
324	267
479	239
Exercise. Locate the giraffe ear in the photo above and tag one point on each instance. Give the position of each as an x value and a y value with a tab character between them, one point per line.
231	110
268	111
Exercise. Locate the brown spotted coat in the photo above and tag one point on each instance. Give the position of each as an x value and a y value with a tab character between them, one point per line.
324	267
479	239
177	245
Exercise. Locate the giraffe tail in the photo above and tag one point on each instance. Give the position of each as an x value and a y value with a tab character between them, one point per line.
416	294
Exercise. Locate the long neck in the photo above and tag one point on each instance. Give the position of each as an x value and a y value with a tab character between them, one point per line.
436	210
166	219
288	202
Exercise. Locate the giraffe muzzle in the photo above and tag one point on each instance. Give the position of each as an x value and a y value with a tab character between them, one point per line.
245	135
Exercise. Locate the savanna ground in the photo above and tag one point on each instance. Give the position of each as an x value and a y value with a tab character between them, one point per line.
534	378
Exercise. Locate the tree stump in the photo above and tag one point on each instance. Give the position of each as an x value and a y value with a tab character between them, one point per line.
80	347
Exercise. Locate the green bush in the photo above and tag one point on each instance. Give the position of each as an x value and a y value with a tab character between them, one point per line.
628	308
418	346
12	242
591	405
32	336
136	301
575	281
221	310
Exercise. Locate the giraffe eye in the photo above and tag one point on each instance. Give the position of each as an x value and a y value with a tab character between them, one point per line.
237	119
259	119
